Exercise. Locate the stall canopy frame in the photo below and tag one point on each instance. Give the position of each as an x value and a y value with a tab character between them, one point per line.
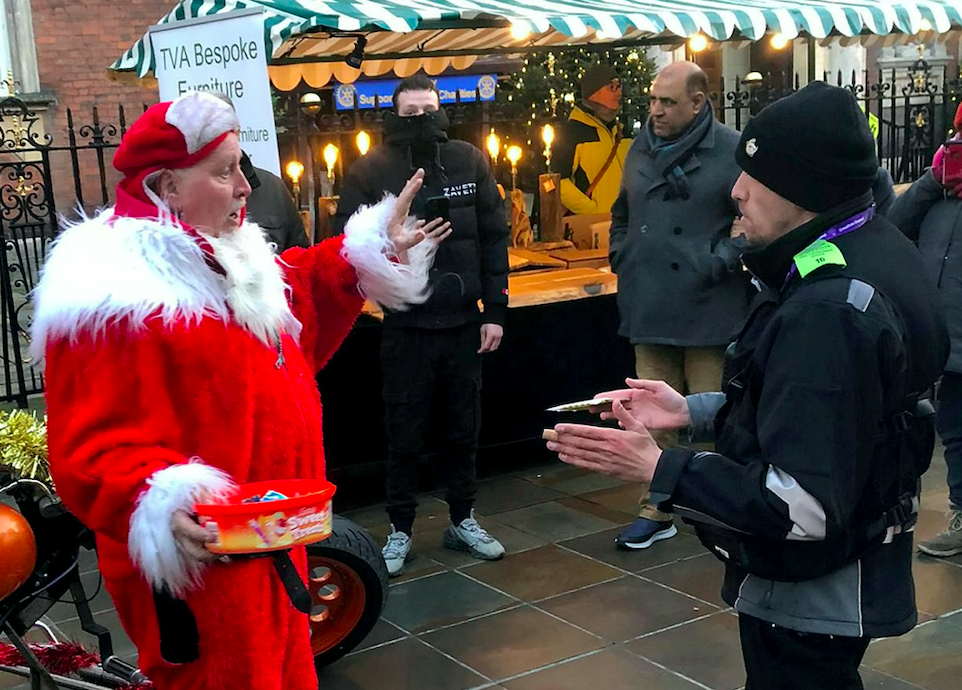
435	34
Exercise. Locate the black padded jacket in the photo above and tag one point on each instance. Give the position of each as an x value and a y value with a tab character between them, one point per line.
472	263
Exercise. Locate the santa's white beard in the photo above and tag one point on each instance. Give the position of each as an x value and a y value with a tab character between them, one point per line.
256	292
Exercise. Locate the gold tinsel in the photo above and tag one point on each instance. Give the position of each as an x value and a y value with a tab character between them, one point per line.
23	445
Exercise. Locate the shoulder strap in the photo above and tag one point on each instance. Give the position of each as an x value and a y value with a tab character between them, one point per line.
604	168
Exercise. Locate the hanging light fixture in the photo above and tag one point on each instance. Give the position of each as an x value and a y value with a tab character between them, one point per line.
779	41
520	31
698	43
310	103
356	56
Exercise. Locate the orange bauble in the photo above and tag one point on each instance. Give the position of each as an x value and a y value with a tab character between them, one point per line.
18	550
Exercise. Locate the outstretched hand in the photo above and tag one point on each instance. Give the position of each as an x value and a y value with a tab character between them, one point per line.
654	404
629	453
404	234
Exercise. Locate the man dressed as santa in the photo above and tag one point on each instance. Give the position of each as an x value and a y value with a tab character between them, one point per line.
180	359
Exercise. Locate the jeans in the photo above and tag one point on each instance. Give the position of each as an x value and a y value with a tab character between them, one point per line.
949	425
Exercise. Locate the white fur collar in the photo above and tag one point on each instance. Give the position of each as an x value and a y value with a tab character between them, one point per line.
108	268
256	292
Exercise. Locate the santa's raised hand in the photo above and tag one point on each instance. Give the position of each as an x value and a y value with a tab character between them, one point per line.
403	231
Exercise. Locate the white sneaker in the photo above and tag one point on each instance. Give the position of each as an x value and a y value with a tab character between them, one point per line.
472	537
396	552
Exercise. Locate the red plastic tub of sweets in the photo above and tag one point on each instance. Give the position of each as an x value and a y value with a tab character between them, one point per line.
245	525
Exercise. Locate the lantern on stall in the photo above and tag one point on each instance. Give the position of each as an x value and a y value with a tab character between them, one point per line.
294	169
547	136
514	154
330	154
493	144
363	142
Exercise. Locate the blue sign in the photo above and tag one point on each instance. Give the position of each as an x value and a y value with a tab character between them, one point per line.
464	88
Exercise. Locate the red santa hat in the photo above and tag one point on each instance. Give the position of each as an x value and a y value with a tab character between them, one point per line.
172	135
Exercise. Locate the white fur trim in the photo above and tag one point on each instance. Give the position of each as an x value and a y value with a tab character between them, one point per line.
368	249
201	118
151	541
109	268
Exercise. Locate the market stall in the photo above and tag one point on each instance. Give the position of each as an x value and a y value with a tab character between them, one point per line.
561	342
420	34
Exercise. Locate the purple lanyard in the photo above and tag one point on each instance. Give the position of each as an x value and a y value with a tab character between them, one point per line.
846	226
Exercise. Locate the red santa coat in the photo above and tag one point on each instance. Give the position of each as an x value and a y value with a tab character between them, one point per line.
152	361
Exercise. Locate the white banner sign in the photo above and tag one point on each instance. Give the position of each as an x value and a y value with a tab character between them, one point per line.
223	54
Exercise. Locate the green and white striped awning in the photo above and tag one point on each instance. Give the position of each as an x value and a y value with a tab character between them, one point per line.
457	27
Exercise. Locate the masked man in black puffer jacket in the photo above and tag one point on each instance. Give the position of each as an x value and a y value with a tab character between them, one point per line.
430	354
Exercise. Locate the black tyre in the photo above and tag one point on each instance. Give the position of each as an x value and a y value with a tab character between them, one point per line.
348	582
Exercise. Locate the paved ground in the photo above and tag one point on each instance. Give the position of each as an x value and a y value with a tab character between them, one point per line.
565	610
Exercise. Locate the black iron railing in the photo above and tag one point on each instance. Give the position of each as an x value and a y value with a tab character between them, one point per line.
39	180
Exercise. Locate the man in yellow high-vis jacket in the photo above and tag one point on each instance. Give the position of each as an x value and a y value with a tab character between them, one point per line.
590	150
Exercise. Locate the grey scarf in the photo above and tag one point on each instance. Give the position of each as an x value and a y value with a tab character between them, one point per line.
671	156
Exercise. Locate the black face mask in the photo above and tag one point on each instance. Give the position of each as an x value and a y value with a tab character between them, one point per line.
417	131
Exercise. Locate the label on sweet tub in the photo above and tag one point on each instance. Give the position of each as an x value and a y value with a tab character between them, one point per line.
269	531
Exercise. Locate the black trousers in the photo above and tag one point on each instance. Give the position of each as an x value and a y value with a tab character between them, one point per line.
780	659
432	386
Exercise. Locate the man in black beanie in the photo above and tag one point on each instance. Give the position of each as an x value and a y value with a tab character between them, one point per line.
823	427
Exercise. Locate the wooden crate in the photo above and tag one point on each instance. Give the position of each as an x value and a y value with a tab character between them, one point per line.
588	231
582	258
559	286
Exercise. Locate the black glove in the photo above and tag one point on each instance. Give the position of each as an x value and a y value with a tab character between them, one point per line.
726	258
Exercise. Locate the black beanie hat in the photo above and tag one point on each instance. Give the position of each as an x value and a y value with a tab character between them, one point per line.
596	76
813	148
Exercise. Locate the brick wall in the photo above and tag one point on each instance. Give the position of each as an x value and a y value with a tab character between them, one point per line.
76	42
